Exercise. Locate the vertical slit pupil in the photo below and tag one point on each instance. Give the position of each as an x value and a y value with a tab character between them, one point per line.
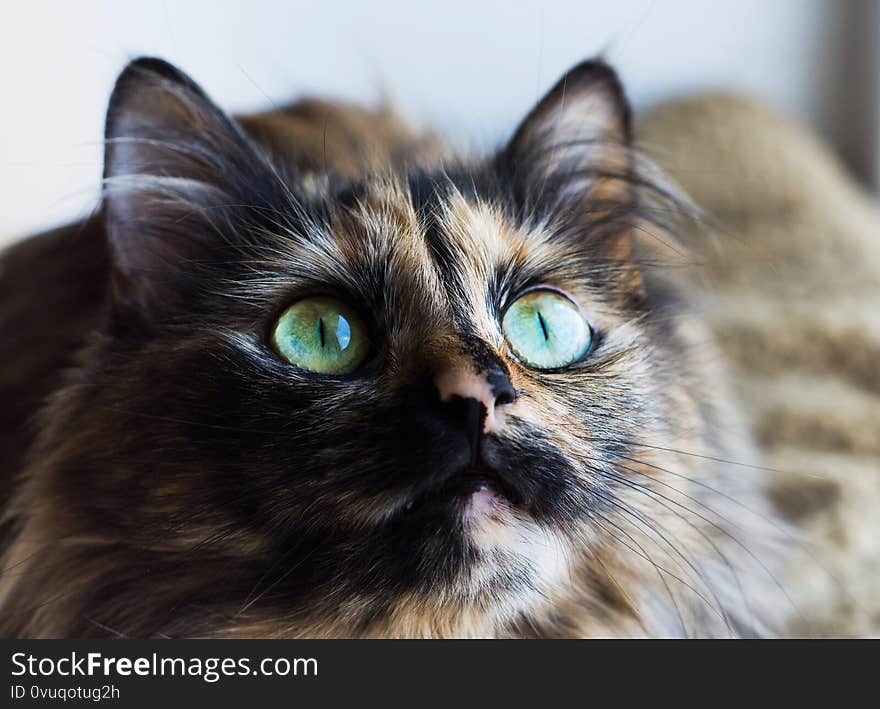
543	325
321	331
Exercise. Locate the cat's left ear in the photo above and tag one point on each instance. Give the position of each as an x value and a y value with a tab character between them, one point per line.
574	145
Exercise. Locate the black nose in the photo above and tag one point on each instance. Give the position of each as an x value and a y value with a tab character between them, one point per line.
502	389
468	414
449	414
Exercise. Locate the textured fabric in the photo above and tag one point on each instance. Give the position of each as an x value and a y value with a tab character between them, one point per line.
791	249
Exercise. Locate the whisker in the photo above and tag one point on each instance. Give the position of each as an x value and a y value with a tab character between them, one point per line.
719	607
651	494
640	551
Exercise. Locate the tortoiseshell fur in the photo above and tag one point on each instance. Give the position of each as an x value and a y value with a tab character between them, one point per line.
183	480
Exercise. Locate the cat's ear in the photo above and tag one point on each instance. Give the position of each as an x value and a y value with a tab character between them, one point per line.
574	145
173	162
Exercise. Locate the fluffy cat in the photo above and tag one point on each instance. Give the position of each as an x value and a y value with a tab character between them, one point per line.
519	426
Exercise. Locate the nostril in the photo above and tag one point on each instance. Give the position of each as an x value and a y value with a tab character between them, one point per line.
502	389
506	395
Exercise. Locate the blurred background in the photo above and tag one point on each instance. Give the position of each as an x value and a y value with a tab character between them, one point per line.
471	68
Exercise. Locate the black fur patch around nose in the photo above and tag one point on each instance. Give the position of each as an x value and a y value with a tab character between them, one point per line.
470	415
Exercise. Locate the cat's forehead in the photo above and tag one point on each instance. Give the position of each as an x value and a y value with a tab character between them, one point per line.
451	235
438	258
433	263
452	243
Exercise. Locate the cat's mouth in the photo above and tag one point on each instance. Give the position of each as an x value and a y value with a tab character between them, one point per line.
475	490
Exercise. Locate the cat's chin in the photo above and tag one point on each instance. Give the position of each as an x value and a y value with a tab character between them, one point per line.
485	501
518	565
484	509
491	520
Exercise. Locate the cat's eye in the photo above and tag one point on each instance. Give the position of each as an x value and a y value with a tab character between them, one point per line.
321	334
546	330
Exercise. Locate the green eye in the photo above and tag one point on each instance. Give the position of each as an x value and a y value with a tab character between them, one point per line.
546	330
321	334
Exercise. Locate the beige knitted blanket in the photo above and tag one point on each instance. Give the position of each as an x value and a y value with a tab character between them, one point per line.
794	257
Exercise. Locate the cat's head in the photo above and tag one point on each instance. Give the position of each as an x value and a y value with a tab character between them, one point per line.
408	403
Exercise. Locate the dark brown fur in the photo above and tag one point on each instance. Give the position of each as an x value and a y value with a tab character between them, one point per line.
185	481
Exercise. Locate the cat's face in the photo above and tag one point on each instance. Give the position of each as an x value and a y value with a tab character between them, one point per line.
405	402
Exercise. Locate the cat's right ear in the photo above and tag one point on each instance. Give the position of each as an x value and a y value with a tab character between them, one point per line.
173	162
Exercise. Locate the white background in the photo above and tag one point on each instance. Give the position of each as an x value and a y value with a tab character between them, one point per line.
469	67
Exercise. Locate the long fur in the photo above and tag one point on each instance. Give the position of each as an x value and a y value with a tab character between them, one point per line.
185	481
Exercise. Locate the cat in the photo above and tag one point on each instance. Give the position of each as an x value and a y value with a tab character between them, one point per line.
310	374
